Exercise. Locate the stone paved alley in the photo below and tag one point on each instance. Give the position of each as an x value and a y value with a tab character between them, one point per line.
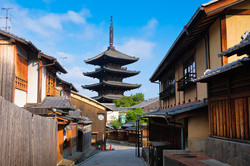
121	156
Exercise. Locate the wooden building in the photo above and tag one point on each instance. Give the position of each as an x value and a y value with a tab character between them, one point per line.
96	112
27	74
28	78
111	73
74	130
229	107
183	118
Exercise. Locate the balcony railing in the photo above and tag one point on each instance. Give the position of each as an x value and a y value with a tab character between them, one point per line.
21	83
170	90
186	81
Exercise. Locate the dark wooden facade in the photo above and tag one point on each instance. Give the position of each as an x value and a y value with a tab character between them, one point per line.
159	130
229	104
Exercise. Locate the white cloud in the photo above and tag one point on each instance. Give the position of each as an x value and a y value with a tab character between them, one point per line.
47	25
138	48
150	28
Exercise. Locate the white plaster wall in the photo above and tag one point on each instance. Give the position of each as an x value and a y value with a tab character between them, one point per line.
44	83
20	97
111	114
32	80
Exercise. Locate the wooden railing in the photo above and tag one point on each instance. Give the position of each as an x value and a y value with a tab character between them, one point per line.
186	81
21	83
170	90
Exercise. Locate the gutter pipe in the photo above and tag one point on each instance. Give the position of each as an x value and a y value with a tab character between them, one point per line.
159	83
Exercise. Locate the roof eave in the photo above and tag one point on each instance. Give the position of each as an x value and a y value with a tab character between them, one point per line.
197	15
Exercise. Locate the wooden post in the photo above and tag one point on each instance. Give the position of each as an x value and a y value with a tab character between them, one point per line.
223	29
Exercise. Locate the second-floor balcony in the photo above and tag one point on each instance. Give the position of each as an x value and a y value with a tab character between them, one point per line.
52	91
186	81
170	90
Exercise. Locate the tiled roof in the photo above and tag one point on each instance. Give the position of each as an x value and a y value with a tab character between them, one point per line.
223	69
113	53
57	65
239	49
102	104
176	110
56	102
72	87
209	3
103	70
77	115
146	102
111	97
112	83
22	40
119	109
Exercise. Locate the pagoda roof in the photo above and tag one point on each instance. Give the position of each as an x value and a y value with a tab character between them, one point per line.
108	97
111	55
101	71
112	84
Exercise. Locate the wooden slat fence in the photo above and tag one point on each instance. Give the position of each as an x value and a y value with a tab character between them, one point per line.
230	119
26	139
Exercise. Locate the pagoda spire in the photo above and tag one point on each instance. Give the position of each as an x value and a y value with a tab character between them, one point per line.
111	39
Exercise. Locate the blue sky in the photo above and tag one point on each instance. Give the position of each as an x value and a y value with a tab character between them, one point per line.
73	31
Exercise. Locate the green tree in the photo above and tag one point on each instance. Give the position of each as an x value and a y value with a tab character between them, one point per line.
128	101
116	123
132	115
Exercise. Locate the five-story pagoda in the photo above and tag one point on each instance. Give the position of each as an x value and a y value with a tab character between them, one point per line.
111	73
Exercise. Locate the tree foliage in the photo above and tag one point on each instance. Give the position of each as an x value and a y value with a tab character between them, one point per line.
128	101
116	123
132	115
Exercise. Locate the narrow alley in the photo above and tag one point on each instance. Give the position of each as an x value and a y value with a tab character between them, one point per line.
121	156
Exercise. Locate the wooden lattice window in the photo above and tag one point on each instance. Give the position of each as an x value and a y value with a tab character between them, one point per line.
21	73
51	83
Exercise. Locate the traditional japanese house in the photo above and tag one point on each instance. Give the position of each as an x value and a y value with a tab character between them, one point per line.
96	112
28	77
229	107
111	73
74	130
25	70
183	117
65	88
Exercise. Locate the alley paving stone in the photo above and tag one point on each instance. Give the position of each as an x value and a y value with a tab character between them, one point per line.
121	156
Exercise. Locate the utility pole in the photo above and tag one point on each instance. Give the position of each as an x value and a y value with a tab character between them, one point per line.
6	17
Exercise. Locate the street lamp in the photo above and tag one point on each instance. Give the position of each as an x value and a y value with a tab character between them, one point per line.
138	137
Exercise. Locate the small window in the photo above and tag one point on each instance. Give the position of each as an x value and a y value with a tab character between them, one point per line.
190	68
170	82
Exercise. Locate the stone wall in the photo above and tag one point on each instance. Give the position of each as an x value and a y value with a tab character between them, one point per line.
233	153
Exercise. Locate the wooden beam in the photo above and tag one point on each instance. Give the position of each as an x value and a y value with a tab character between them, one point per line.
223	29
237	12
